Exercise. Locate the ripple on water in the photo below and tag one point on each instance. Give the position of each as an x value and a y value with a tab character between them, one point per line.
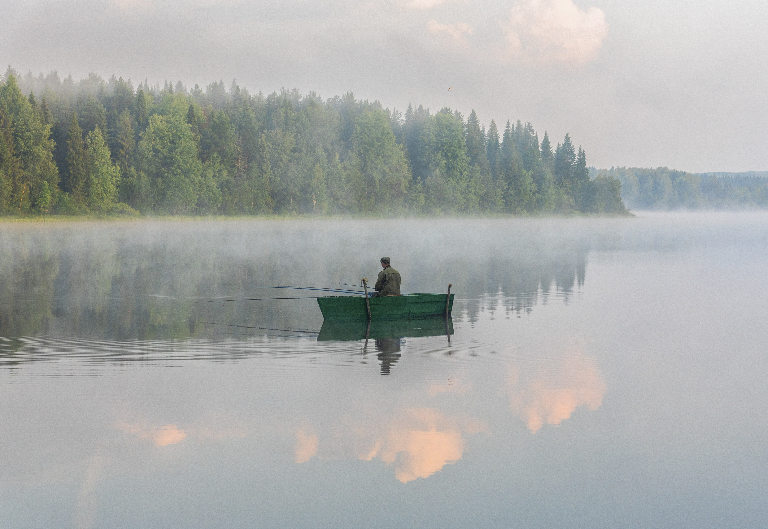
55	356
89	355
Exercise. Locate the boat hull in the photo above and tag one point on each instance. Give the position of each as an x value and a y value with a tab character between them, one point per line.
409	306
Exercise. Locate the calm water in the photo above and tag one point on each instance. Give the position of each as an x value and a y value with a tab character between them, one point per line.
600	373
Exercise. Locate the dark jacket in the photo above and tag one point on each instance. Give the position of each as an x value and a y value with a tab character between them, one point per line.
388	282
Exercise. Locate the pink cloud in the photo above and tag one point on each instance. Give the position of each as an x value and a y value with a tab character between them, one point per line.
554	31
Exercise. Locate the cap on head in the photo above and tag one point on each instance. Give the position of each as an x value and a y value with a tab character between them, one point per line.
385	260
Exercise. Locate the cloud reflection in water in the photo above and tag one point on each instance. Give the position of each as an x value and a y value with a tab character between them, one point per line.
417	441
420	441
166	435
551	393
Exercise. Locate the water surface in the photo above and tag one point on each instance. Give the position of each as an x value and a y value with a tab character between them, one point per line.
599	373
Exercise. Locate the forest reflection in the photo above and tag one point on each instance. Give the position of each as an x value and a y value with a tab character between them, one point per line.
176	281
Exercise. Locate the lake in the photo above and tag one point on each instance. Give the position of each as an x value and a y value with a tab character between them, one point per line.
594	373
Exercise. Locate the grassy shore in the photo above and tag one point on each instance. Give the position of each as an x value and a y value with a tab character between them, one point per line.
289	216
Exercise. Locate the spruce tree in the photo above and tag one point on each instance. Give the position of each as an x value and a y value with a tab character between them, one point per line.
493	150
581	188
142	110
475	140
565	159
547	156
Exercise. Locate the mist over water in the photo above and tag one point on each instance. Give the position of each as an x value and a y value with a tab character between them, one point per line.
599	372
180	280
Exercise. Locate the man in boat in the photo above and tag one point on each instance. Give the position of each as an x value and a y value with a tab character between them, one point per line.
388	282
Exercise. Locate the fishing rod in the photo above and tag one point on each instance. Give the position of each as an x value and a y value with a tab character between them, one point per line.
316	289
319	289
256	299
303	331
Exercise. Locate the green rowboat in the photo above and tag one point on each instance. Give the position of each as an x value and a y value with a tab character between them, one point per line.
406	307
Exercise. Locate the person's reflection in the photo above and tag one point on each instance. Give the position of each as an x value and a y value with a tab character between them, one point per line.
389	353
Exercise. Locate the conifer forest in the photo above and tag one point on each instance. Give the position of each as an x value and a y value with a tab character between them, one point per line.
108	147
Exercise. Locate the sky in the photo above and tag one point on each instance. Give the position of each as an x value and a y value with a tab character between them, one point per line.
651	83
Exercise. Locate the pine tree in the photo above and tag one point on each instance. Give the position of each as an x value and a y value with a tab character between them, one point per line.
77	171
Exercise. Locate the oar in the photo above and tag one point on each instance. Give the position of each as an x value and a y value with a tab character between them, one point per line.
367	303
448	300
448	314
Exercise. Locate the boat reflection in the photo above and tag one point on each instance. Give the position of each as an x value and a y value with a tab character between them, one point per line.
343	331
387	335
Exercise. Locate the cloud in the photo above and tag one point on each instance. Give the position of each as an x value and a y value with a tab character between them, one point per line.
456	32
423	4
554	31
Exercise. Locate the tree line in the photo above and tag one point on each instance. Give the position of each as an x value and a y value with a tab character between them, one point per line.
666	189
97	146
